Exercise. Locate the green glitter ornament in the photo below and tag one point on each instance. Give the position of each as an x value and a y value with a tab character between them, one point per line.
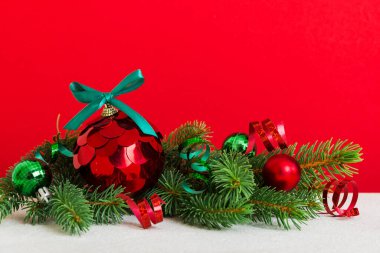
31	179
237	142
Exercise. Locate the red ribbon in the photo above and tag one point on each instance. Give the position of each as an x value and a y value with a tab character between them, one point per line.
270	134
339	187
144	212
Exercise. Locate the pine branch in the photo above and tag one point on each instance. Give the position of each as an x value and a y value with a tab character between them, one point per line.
6	206
10	199
70	209
214	211
232	176
185	132
319	162
169	188
287	208
107	207
325	160
36	212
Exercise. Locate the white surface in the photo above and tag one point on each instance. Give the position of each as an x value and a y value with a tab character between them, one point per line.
324	234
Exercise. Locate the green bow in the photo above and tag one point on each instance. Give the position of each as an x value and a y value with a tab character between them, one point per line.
96	99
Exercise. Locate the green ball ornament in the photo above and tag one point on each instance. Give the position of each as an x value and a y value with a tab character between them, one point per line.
237	142
30	176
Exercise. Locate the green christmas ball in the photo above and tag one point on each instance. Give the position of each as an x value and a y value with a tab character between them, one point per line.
28	176
237	142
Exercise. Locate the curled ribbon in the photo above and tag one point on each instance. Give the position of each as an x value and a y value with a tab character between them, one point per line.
338	187
96	99
270	135
144	212
197	151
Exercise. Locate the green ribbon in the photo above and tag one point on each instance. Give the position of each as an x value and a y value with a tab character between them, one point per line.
198	158
96	99
55	149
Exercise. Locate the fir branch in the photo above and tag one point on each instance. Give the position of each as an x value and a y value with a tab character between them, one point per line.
36	212
319	162
287	208
214	211
6	206
231	175
10	199
70	209
325	160
185	132
108	208
169	188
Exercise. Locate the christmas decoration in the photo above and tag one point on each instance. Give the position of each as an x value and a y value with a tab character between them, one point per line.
237	142
31	179
118	164
197	151
282	172
116	149
113	151
143	212
337	188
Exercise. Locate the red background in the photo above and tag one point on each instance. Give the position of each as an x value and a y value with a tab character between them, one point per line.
312	64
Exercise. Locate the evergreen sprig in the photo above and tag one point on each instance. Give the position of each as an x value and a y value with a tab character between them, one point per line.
36	212
214	211
10	199
319	162
70	209
108	208
169	188
286	208
322	161
6	206
232	176
186	131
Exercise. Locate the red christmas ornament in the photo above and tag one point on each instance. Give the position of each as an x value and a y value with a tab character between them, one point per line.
113	150
282	172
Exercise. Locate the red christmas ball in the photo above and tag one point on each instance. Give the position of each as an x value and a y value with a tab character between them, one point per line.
282	172
113	151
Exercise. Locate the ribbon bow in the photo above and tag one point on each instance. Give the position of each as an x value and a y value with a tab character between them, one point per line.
96	99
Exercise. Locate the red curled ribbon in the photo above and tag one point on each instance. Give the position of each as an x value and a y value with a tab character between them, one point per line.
270	134
338	187
144	212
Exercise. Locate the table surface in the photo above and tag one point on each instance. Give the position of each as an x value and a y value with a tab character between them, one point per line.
323	234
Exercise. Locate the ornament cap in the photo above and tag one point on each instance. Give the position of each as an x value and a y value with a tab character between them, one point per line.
43	194
109	110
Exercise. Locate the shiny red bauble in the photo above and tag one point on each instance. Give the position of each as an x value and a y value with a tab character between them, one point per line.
113	151
282	172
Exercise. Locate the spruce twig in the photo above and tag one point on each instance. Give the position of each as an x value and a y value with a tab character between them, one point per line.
36	212
214	211
287	208
232	176
319	162
186	131
10	199
108	208
169	188
70	209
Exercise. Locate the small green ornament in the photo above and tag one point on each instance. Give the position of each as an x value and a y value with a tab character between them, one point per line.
31	178
237	142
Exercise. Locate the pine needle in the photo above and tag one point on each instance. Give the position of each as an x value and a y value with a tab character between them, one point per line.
70	209
232	176
214	211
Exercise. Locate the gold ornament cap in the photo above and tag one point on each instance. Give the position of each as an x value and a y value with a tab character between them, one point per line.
109	110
